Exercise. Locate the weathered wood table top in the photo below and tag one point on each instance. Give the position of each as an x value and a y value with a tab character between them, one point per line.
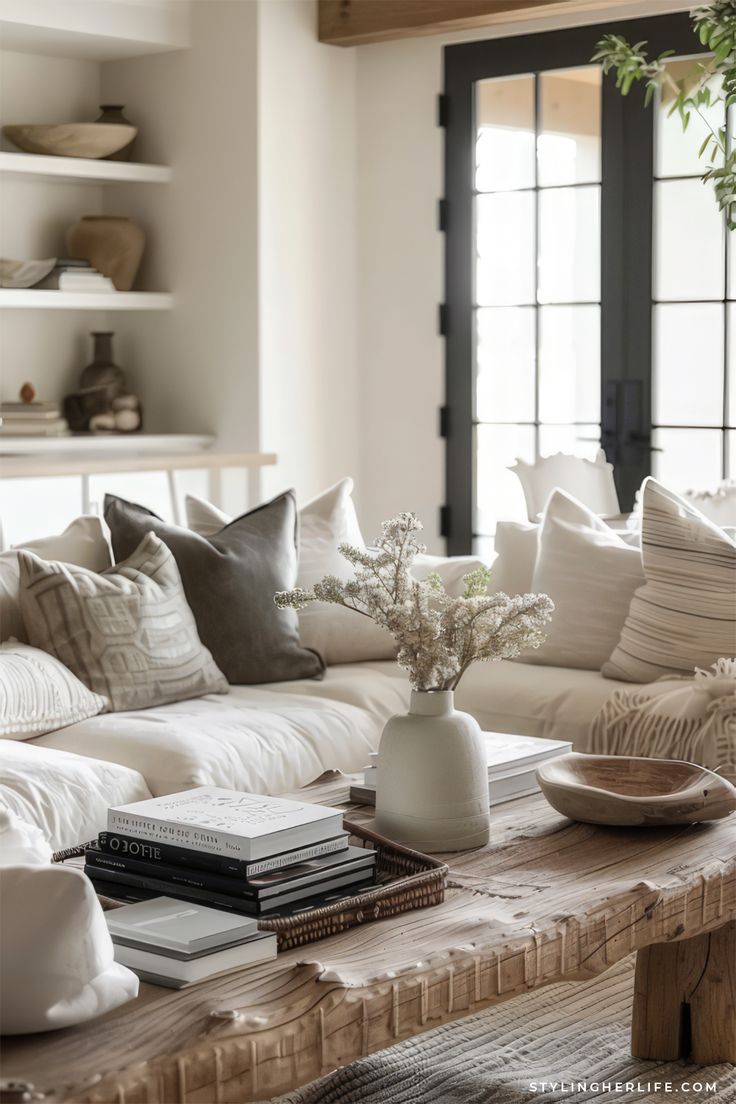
546	900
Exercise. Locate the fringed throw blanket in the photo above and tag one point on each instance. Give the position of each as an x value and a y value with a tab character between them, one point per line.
675	718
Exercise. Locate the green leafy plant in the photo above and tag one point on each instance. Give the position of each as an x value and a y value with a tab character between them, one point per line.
715	26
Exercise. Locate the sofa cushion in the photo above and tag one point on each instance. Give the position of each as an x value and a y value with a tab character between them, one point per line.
67	796
259	739
39	694
230	580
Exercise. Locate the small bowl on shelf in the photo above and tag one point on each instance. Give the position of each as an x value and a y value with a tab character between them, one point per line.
93	141
622	791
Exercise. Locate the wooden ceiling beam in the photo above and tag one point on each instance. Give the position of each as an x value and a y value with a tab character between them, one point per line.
354	22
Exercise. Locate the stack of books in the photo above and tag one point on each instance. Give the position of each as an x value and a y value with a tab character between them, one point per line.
71	275
512	767
34	419
245	853
171	944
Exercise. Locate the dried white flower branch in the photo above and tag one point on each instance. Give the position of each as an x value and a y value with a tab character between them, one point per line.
438	636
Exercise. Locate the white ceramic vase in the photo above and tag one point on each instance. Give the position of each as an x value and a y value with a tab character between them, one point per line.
432	786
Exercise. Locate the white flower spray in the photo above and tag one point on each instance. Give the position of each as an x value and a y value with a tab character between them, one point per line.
438	636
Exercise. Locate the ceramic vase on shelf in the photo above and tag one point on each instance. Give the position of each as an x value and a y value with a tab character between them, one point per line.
432	785
112	245
113	113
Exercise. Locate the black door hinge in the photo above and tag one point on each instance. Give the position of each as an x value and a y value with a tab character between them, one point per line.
443	105
442	318
444	421
444	521
442	215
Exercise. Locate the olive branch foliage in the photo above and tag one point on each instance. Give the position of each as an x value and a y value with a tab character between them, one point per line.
715	26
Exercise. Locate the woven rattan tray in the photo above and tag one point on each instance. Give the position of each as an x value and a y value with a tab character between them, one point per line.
405	880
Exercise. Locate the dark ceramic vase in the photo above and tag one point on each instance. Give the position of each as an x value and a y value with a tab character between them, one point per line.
103	374
113	113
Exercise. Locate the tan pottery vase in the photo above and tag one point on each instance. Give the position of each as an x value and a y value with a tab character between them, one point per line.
113	245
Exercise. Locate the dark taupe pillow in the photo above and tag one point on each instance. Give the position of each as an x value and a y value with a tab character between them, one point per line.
229	581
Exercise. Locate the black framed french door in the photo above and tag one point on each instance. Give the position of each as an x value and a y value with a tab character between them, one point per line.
585	217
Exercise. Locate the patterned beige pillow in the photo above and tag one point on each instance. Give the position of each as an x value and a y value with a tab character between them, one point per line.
126	633
685	614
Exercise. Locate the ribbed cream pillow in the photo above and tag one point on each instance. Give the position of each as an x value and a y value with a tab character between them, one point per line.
39	694
685	614
590	574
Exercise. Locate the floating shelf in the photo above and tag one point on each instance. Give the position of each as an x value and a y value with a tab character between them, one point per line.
31	298
82	169
28	458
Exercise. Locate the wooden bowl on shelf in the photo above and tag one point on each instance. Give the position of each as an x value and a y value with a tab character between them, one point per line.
90	140
623	791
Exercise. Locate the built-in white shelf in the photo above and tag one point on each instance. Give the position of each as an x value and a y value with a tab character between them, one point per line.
32	298
81	169
34	457
96	31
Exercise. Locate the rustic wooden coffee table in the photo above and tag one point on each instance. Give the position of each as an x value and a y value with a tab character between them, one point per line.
547	900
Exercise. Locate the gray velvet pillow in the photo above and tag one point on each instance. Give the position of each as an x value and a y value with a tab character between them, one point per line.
229	581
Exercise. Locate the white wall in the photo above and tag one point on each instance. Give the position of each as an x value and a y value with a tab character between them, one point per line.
307	251
400	263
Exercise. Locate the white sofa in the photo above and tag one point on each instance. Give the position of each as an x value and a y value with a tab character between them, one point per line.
271	738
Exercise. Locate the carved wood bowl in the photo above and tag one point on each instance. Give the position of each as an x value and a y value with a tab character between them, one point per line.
623	791
91	140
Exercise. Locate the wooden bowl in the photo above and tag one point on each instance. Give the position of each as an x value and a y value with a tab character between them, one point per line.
618	790
91	140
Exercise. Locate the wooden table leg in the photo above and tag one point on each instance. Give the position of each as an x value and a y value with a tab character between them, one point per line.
685	999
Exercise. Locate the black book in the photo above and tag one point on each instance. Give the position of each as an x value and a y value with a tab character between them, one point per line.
271	884
119	844
157	887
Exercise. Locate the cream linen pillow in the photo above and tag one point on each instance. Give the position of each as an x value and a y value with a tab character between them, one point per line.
516	544
38	694
590	574
685	614
83	543
127	633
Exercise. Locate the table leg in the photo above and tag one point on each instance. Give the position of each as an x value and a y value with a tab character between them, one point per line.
685	999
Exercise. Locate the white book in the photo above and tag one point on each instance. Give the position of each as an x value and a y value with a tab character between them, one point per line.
177	971
507	753
180	926
227	822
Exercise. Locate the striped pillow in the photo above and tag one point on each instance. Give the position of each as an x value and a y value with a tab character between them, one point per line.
685	614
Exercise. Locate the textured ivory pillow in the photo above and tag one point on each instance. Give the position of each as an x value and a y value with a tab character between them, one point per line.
230	580
127	634
590	574
516	544
83	543
38	694
685	614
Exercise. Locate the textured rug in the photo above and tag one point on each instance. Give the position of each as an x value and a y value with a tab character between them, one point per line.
568	1042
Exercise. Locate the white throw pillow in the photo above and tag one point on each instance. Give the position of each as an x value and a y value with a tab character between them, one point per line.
590	574
39	694
685	614
83	543
516	544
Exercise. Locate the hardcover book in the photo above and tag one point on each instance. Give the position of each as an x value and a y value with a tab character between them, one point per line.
187	928
227	822
259	888
129	846
176	971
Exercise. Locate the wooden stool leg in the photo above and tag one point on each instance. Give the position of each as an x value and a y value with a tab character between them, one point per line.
685	999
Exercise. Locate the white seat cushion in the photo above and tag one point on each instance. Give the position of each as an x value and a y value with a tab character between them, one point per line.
259	739
66	796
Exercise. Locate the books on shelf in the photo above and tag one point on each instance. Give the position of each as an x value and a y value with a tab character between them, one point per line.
226	822
242	855
34	419
71	275
512	766
175	944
